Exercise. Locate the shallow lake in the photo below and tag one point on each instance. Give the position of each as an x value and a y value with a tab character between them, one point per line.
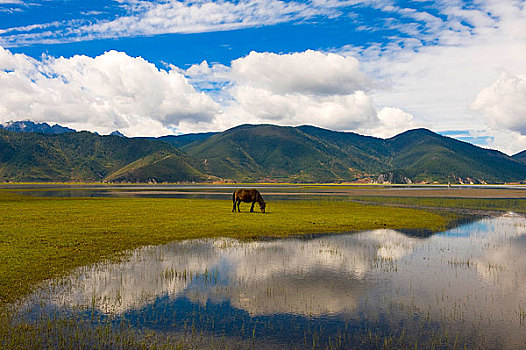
269	191
464	286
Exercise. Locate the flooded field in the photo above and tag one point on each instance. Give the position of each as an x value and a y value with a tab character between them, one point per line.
273	191
382	288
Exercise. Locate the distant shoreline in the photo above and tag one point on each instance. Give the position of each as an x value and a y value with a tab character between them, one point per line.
280	189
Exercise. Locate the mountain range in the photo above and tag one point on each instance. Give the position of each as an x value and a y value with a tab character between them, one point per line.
29	126
253	153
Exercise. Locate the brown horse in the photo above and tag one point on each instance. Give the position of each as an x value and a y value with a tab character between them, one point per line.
248	196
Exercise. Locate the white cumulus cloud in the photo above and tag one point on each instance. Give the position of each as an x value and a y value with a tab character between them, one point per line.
392	121
504	103
310	72
108	92
116	91
310	87
339	112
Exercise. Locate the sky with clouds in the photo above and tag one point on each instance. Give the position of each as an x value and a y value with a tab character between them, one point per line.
377	67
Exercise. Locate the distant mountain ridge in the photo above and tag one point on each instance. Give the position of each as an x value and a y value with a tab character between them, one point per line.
117	133
254	153
29	126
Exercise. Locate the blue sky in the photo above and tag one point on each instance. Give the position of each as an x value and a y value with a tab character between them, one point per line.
377	67
51	27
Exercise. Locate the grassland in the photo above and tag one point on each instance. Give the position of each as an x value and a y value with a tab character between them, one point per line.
42	238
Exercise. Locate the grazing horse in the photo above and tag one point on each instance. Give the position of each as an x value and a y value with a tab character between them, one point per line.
248	196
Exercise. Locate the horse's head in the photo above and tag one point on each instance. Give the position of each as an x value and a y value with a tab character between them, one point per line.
262	206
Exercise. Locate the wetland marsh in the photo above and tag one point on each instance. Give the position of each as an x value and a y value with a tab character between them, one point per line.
182	275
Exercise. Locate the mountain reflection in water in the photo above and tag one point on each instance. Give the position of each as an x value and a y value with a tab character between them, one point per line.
470	279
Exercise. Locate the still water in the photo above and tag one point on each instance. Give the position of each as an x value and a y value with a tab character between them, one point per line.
464	286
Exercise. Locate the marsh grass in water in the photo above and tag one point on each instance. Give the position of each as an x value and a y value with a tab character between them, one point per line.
43	238
49	332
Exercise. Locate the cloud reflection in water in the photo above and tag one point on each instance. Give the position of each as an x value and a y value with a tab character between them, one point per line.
471	278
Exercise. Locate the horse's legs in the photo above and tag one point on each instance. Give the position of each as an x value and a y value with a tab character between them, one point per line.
238	203
252	207
234	207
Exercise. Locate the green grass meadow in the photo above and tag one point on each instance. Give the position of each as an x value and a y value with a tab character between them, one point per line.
43	238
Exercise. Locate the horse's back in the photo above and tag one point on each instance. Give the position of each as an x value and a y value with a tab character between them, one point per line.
246	195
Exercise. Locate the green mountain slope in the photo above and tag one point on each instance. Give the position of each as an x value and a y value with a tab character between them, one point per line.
81	156
520	157
311	154
183	140
276	153
161	166
426	156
